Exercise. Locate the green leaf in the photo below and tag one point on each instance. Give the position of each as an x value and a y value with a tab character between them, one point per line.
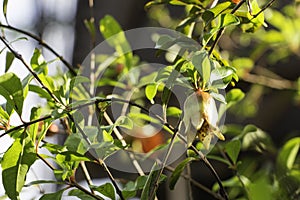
178	170
288	154
243	65
34	128
15	165
38	62
249	23
76	143
131	188
255	138
227	19
218	97
218	158
124	122
115	37
40	91
138	117
224	20
54	148
53	196
203	65
5	9
44	182
233	182
151	91
233	148
69	156
215	11
107	190
164	42
9	60
11	89
173	112
4	119
260	189
81	195
220	73
234	96
90	25
149	188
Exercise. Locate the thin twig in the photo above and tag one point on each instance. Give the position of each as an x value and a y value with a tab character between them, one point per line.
72	183
99	161
46	162
19	57
264	8
233	167
87	176
79	187
164	162
196	183
132	104
279	84
189	186
213	171
175	132
25	124
44	44
121	138
221	31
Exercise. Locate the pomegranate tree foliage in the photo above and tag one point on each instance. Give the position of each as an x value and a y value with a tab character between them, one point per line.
206	67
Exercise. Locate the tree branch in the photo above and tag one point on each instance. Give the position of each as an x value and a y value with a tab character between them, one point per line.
279	84
19	57
44	44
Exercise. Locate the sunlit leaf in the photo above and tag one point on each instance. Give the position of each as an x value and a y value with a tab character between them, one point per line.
11	89
173	112
38	62
15	164
224	20
243	65
114	35
215	11
107	190
151	91
69	156
234	96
